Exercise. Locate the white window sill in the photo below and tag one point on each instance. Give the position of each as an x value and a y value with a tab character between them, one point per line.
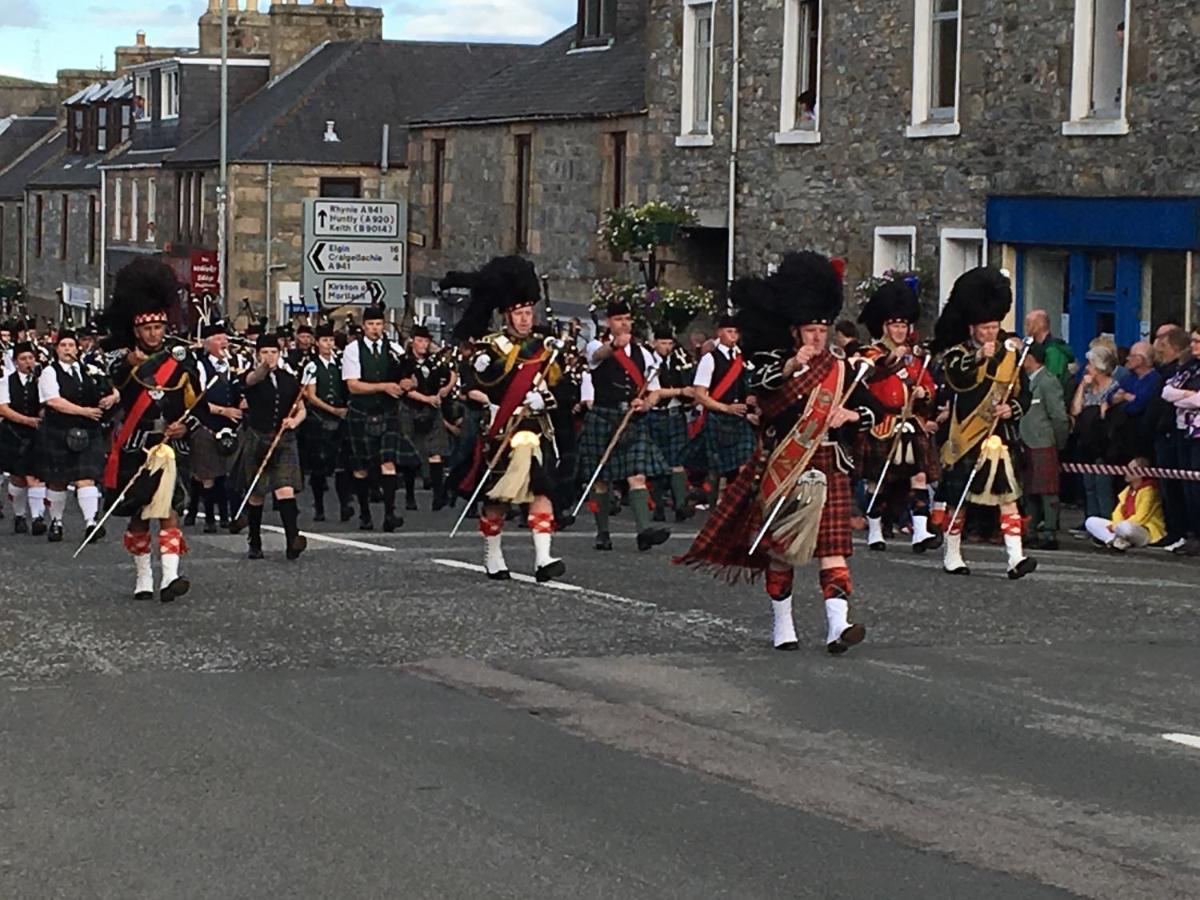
1095	128
694	140
590	48
798	137
933	130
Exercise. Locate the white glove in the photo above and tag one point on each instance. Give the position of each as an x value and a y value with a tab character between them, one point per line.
482	362
534	401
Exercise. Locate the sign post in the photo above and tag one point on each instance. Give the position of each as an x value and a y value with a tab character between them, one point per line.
354	252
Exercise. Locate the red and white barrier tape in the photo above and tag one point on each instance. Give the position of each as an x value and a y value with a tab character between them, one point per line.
1150	472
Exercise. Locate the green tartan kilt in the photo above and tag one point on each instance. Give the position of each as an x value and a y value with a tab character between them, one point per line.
435	440
393	445
668	430
635	454
322	450
283	471
728	442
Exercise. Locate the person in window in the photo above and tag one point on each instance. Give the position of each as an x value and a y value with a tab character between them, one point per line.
1093	397
807	102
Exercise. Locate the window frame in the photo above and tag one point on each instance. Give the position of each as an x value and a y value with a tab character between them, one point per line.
64	224
101	113
603	36
437	152
117	211
135	224
889	233
336	183
169	96
93	234
946	238
689	135
39	219
522	199
791	75
924	122
142	87
1082	122
151	209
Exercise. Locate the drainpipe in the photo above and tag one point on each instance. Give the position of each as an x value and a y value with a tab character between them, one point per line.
383	161
267	237
735	86
103	237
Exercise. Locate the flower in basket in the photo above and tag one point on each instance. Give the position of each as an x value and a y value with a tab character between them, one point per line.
633	229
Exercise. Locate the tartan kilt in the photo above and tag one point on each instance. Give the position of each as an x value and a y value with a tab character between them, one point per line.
131	460
18	449
723	545
635	453
56	462
434	442
392	446
322	450
206	460
1039	474
728	442
870	456
668	430
283	471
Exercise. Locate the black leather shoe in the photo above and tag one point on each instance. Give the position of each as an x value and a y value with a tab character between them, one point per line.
238	524
878	546
851	636
652	537
391	523
189	520
682	515
174	590
603	541
1023	568
143	595
961	570
20	526
347	513
98	536
55	533
210	526
38	527
553	569
254	552
502	575
319	517
365	523
411	505
296	546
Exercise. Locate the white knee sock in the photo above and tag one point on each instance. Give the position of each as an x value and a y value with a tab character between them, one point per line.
58	504
874	531
541	549
20	497
89	502
953	558
920	529
37	501
1016	552
493	558
785	627
837	611
170	567
145	574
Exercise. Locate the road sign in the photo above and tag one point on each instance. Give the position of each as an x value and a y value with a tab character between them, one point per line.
359	257
354	252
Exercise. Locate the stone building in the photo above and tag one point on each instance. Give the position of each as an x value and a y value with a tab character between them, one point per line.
23	151
20	97
932	134
529	160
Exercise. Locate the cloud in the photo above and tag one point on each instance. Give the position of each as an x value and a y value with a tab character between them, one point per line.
18	14
487	19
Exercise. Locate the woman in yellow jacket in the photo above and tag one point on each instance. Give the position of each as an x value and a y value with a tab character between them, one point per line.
1138	519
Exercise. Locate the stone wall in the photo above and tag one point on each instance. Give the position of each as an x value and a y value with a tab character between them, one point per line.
23	98
10	238
571	186
295	29
1014	97
48	271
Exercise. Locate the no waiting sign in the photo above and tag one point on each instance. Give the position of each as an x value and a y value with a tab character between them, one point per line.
354	252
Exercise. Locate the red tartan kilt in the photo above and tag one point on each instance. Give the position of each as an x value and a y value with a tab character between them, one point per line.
834	537
870	456
1039	471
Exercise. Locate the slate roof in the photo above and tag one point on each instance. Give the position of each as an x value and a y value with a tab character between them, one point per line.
553	83
19	133
17	175
116	89
69	171
131	155
360	85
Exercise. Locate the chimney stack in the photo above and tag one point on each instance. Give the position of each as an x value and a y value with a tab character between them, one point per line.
140	40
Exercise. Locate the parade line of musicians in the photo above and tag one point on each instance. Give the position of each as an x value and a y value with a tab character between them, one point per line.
769	426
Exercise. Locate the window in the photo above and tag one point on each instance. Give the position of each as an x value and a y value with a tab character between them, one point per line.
151	210
696	113
937	39
141	98
1100	68
92	230
101	128
341	187
895	249
169	88
524	155
77	130
64	208
197	207
183	197
963	249
135	230
2	214
126	121
38	215
800	108
189	201
619	140
596	22
438	148
116	223
21	239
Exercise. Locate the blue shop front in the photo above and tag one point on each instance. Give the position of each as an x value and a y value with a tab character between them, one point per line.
1117	266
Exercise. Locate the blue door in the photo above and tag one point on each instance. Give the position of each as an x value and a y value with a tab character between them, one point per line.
1105	289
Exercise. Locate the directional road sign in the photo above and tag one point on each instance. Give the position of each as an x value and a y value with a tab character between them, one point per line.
354	252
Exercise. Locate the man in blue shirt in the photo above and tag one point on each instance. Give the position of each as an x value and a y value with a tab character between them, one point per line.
1141	384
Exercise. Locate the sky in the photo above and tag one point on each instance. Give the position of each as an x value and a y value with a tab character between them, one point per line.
39	37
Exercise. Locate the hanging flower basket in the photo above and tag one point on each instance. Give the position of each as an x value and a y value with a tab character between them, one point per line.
677	307
637	229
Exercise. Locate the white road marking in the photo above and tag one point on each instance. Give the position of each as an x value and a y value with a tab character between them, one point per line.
1188	740
344	542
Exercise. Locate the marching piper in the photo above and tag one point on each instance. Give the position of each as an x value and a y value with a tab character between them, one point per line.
515	369
792	501
21	414
990	392
323	434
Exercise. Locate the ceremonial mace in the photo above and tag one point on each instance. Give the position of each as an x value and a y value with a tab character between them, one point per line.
612	444
125	490
1016	379
556	344
864	367
308	377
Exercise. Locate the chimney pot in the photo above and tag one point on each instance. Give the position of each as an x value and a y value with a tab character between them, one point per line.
331	135
141	38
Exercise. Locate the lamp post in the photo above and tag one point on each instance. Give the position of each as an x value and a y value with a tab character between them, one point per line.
222	185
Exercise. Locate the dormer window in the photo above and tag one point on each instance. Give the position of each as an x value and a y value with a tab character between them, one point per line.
141	96
101	128
169	90
78	139
596	22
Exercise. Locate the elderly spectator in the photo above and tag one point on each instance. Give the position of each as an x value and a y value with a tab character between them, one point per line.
1170	354
1060	358
1183	391
1137	520
1043	428
1139	387
1089	408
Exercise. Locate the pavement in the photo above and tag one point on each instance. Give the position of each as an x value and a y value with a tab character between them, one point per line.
378	720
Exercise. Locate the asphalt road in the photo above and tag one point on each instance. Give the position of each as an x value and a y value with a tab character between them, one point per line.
377	720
